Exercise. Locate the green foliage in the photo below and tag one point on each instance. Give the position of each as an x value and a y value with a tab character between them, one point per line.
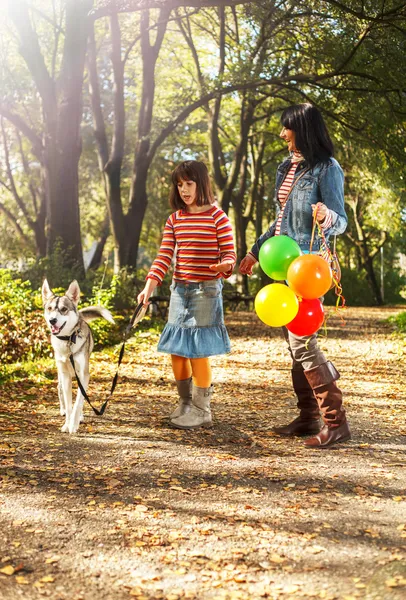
399	321
38	371
111	297
357	292
53	268
118	293
22	330
23	333
362	104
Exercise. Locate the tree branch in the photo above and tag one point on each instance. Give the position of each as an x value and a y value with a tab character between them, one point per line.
25	129
105	8
13	219
27	173
99	127
398	10
13	186
310	79
31	52
117	144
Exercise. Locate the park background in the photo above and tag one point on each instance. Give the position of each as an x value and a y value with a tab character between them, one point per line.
99	100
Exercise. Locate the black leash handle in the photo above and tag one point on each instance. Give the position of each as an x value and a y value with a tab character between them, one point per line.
139	308
127	332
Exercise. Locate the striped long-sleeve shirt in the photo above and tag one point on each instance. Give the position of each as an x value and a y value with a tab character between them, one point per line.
283	194
201	239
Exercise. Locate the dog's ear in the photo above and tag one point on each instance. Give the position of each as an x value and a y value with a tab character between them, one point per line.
73	292
46	292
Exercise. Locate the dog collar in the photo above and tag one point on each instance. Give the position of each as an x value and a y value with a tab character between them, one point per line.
69	338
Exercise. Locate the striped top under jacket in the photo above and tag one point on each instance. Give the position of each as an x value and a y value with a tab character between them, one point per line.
201	239
283	194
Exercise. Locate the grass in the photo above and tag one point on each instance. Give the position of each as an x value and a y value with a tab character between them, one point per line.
399	321
43	369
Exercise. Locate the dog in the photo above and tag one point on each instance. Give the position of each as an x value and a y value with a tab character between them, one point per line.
70	334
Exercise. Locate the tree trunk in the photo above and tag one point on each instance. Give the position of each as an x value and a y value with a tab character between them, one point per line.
375	287
366	247
142	160
98	254
39	232
62	115
136	213
64	217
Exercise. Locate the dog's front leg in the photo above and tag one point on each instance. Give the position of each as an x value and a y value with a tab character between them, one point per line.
82	368
66	384
62	409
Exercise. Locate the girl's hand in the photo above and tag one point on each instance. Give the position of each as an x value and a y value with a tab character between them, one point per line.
147	291
222	267
246	265
322	211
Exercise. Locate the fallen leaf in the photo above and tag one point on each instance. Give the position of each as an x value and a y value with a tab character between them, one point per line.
52	560
47	579
275	558
315	549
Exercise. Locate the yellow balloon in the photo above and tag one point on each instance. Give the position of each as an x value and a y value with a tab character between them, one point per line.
276	304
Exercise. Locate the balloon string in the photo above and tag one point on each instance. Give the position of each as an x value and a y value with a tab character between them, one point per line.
340	305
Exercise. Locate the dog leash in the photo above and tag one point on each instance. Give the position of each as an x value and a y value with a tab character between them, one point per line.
138	314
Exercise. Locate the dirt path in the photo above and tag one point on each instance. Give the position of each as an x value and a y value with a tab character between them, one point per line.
131	508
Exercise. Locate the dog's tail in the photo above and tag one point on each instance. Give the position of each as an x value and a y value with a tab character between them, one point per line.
90	313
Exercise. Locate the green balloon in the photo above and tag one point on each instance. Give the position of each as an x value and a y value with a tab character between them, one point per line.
276	254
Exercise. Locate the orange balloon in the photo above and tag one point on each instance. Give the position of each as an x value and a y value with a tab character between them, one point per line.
309	276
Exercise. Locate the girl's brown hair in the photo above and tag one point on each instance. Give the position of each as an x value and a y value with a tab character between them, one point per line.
191	170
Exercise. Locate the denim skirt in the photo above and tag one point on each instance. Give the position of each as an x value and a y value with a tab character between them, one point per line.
195	327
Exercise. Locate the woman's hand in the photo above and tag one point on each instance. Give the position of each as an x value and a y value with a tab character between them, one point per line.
147	291
322	211
221	267
246	264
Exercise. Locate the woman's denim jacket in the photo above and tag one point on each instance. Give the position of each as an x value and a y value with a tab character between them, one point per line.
323	183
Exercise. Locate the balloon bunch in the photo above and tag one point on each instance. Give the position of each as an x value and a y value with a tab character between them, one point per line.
297	304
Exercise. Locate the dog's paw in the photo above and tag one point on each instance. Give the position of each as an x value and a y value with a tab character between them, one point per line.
62	412
65	428
82	418
73	426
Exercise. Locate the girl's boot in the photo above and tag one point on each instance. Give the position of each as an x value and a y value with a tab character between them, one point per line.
185	397
330	400
308	422
199	414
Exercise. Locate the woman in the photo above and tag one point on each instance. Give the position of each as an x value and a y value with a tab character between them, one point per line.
309	180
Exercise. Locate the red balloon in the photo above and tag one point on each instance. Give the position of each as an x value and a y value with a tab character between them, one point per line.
309	319
309	276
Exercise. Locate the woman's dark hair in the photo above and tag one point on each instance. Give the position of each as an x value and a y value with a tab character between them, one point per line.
312	138
191	170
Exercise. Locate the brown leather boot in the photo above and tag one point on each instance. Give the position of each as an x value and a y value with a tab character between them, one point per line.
308	422
329	436
322	380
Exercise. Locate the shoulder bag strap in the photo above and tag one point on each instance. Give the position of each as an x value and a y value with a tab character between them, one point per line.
294	182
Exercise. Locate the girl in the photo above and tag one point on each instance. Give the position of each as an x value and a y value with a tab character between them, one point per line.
205	253
310	180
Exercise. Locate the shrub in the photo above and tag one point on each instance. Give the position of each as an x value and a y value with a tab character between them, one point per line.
53	267
105	333
399	321
23	332
357	291
22	328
